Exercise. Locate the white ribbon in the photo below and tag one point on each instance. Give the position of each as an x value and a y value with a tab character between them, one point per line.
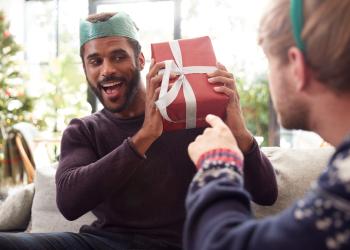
167	97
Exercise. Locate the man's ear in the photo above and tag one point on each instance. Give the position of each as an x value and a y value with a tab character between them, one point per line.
141	60
298	67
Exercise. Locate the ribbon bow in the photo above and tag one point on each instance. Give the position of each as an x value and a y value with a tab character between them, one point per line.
167	97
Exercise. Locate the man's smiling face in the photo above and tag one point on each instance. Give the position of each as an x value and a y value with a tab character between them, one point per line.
112	71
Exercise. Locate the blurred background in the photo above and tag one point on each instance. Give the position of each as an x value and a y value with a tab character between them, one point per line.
42	84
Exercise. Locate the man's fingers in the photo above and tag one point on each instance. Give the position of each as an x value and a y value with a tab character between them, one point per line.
154	99
214	121
151	65
227	91
154	69
229	82
220	72
156	94
156	80
220	66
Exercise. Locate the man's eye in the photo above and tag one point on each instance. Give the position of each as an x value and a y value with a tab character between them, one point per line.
119	58
95	61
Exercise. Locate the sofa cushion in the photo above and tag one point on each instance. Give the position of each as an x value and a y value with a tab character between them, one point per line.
15	210
295	170
45	215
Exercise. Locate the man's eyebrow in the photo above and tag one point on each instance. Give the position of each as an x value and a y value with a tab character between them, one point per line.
113	52
92	55
119	51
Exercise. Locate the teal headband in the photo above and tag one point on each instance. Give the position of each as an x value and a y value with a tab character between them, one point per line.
297	19
118	25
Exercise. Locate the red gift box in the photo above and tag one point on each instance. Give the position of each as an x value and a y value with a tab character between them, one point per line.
191	97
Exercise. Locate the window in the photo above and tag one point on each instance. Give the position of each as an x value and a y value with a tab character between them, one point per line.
51	47
49	29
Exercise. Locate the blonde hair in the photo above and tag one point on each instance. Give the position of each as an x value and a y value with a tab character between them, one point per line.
326	35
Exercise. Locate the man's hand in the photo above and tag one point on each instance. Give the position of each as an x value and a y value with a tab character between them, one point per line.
218	136
152	126
153	120
234	117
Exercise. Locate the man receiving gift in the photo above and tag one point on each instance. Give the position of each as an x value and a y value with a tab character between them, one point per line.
120	165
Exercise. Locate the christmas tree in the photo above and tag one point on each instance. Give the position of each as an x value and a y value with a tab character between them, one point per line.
15	105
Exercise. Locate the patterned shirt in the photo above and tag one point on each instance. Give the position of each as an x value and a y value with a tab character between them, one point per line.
219	214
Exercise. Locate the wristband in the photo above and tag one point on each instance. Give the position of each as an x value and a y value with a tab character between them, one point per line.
220	156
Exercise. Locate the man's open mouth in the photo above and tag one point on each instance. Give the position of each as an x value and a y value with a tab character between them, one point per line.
110	87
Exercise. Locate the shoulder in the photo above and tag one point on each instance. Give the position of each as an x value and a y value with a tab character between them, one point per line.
343	151
336	178
340	161
340	164
95	118
89	121
85	125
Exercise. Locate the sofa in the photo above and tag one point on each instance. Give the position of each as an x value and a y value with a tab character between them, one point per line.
32	208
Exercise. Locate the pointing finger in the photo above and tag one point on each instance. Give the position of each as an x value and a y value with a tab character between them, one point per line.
214	121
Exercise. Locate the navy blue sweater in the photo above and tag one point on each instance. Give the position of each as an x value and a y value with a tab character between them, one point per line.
219	215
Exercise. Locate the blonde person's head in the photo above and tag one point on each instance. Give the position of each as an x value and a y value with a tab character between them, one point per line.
325	33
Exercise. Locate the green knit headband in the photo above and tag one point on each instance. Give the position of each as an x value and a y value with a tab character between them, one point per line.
297	19
118	25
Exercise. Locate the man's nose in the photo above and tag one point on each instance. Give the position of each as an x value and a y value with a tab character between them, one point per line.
108	68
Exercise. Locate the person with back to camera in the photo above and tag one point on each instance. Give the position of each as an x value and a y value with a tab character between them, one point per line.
307	44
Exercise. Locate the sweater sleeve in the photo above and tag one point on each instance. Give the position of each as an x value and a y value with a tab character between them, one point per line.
259	177
84	179
219	215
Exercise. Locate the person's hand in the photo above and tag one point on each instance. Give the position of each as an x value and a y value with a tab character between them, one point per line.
152	126
217	136
234	118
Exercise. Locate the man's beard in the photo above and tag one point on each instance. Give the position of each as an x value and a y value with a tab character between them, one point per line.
295	117
132	88
293	112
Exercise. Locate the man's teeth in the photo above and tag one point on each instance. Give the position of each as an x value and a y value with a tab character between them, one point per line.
107	85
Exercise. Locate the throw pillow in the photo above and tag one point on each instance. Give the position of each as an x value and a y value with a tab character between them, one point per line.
15	210
295	169
45	215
